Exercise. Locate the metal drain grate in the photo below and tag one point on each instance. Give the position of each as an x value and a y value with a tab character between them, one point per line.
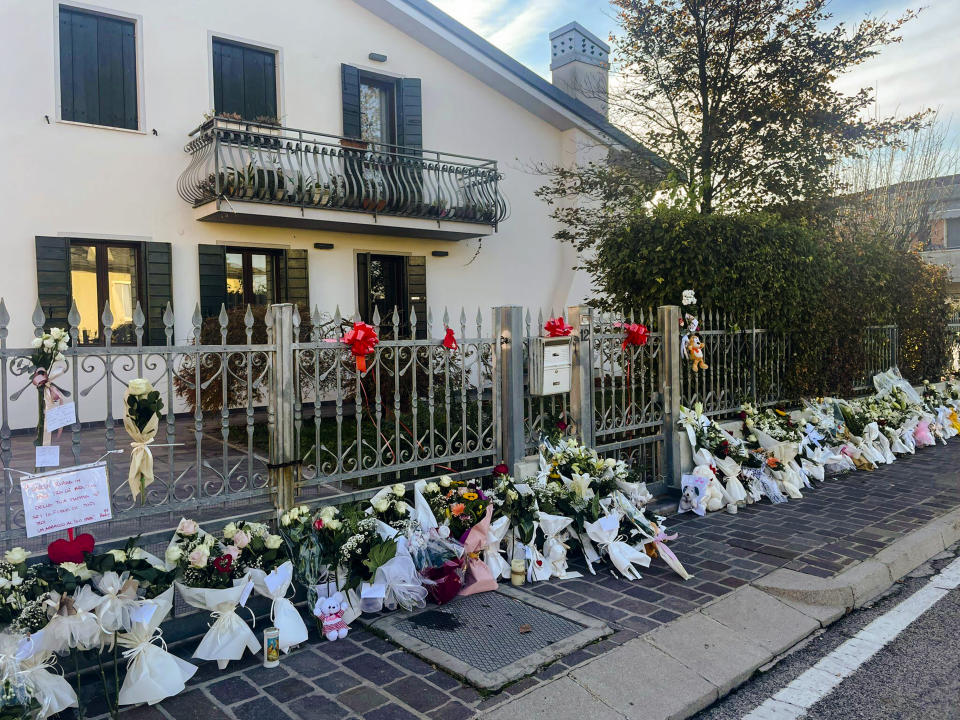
484	630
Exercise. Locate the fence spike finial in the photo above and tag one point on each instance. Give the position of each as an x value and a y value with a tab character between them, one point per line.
463	321
168	316
107	316
446	318
337	318
479	322
138	317
376	317
197	321
248	323
429	321
413	323
73	319
224	320
4	315
356	316
38	320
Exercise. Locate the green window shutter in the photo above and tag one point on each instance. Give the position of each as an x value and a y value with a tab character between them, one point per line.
213	279
416	271
297	278
158	260
53	279
350	94
244	80
410	114
363	286
98	69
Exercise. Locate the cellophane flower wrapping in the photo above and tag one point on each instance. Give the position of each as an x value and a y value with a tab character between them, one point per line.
404	586
605	532
440	563
153	674
478	577
554	528
74	624
27	670
492	554
229	636
275	586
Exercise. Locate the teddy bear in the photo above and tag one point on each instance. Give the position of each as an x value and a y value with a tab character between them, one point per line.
330	611
713	498
695	349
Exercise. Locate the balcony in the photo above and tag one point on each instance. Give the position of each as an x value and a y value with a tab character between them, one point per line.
947	257
257	174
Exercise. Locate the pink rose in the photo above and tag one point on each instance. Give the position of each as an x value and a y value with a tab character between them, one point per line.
187	527
233	551
198	558
241	539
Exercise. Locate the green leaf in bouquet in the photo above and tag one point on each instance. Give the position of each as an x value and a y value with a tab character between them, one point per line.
526	530
380	554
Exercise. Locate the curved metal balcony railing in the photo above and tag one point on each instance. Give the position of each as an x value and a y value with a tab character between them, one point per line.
284	166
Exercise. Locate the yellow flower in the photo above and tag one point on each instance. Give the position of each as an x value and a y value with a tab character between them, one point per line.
470	496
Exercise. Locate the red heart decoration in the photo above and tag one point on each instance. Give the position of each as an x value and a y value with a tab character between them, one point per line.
61	550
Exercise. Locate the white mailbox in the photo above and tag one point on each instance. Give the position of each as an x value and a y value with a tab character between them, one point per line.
550	360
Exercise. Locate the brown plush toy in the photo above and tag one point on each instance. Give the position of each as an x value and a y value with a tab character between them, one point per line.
695	348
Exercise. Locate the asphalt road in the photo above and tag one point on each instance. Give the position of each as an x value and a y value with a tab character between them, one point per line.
917	675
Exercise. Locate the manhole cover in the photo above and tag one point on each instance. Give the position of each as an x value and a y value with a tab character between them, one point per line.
492	638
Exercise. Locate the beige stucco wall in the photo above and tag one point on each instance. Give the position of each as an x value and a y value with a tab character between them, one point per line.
69	179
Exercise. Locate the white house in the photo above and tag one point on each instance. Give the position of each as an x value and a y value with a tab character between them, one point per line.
367	153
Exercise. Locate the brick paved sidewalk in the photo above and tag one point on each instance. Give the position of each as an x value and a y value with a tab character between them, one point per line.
837	524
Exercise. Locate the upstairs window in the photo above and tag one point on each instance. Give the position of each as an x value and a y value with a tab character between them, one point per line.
98	69
244	81
378	110
952	231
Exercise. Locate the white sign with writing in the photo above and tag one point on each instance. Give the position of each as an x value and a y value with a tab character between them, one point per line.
47	456
60	416
62	499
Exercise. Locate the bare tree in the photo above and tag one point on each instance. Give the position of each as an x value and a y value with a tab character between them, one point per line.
898	189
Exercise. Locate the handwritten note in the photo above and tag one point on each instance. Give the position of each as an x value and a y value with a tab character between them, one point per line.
61	499
60	416
47	456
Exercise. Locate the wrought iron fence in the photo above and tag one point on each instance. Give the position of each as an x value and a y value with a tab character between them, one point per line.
419	408
744	364
262	163
881	348
627	396
953	349
198	465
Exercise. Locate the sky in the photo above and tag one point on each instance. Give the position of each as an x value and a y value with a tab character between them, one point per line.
921	72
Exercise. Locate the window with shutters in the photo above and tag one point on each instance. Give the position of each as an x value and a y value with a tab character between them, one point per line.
244	81
102	272
98	68
378	110
385	282
952	228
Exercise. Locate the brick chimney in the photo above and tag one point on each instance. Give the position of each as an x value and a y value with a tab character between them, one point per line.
580	64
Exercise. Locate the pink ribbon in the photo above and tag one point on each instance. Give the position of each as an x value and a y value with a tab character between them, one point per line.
660	539
51	393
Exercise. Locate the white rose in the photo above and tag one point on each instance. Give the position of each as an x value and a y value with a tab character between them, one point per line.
610	462
328	513
401	507
512	494
285	519
79	569
36	342
273	542
16	555
398	489
229	531
118	555
48	343
333	524
381	505
56	333
445	481
209	540
304	510
173	555
432	487
139	386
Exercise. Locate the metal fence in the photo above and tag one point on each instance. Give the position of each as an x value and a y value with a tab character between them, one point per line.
285	415
881	351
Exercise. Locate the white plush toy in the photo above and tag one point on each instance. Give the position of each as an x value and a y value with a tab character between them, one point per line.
330	611
713	497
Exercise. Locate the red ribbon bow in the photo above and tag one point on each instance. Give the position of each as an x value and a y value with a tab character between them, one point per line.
361	339
636	334
556	327
449	341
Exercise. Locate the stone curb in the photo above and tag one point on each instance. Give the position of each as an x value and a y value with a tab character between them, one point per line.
862	582
680	668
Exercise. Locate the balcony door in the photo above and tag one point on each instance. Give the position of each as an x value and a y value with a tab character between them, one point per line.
252	277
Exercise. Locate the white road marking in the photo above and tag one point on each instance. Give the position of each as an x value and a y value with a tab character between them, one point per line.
793	701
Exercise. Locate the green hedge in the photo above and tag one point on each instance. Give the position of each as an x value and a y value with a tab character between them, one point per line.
792	276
